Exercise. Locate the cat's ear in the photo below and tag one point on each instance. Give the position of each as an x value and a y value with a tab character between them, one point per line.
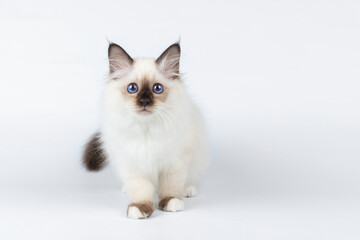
169	61
119	60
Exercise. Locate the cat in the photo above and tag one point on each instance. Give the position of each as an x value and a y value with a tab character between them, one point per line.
151	132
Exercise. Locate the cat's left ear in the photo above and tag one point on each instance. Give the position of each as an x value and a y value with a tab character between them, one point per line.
169	61
119	59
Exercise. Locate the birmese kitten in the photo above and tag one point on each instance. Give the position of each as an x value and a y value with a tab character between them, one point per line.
151	132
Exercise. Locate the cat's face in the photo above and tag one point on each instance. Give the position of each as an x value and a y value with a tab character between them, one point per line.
145	86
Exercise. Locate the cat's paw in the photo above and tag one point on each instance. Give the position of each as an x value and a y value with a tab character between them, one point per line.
171	204
140	210
190	191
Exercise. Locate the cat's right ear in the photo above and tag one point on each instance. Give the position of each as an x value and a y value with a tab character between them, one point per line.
119	59
169	61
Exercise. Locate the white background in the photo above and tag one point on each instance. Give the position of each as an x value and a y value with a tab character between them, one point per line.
278	82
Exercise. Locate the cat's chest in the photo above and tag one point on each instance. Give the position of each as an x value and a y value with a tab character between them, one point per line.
150	143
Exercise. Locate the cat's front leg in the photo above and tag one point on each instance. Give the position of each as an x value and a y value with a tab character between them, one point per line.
171	190
141	194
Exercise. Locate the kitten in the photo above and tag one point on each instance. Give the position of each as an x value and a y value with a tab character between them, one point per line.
152	132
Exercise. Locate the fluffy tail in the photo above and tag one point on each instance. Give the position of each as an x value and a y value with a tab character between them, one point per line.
94	158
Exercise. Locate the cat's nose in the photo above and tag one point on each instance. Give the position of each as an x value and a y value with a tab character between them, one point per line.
145	101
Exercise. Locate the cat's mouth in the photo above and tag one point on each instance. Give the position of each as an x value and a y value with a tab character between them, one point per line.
144	110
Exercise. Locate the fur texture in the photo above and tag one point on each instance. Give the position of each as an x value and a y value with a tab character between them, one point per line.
94	157
160	146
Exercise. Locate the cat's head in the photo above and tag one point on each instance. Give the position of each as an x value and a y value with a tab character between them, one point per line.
144	86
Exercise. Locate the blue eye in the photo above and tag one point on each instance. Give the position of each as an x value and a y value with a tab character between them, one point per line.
132	88
158	88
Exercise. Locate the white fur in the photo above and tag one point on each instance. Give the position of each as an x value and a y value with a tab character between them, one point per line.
190	191
135	213
165	149
175	205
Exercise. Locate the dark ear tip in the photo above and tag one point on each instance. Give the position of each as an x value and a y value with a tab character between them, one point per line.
111	45
177	45
174	45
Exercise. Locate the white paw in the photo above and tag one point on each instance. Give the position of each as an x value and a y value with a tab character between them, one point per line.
190	191
135	213
175	205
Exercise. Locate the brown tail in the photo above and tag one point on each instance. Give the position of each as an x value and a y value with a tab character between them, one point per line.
94	158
